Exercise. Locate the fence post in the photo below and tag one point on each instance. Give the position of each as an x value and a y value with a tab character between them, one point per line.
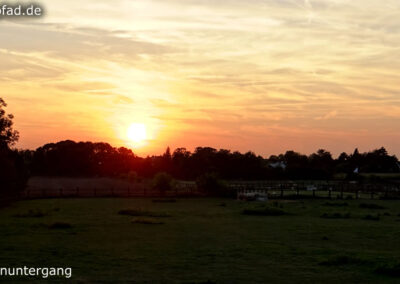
330	194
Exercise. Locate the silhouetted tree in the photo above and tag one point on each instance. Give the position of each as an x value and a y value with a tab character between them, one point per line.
13	173
8	136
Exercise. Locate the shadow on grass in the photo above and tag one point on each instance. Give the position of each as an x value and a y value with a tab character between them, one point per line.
371	206
32	213
147	221
343	260
372	217
59	226
164	200
336	204
268	211
142	213
336	216
389	269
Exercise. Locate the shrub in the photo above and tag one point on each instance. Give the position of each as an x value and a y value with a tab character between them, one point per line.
210	184
371	206
162	182
268	211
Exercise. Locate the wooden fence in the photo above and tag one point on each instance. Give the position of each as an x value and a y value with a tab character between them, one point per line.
274	189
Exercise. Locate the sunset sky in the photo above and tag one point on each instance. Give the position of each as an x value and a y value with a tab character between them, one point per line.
260	75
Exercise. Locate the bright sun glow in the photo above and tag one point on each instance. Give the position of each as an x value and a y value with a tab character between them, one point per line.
137	132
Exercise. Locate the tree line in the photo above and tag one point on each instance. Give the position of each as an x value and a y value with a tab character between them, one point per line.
69	158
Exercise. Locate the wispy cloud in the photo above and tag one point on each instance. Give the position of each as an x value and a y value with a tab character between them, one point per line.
268	72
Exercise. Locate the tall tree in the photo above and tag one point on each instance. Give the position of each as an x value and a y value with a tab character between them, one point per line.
8	136
13	173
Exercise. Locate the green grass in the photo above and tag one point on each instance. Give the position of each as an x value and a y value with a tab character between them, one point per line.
202	241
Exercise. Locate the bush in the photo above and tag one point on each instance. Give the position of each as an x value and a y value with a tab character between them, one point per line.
210	184
162	182
268	211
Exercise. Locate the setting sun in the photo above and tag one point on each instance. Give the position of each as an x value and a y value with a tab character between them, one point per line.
137	132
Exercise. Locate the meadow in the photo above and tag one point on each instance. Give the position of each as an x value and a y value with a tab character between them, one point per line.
205	240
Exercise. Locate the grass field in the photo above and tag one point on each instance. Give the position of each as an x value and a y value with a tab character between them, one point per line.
205	240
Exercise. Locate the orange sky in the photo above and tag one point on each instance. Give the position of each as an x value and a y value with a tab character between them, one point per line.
261	75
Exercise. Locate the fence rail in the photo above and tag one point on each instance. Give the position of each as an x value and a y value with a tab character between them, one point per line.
274	189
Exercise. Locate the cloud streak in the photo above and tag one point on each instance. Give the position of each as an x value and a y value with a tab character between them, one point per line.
267	72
